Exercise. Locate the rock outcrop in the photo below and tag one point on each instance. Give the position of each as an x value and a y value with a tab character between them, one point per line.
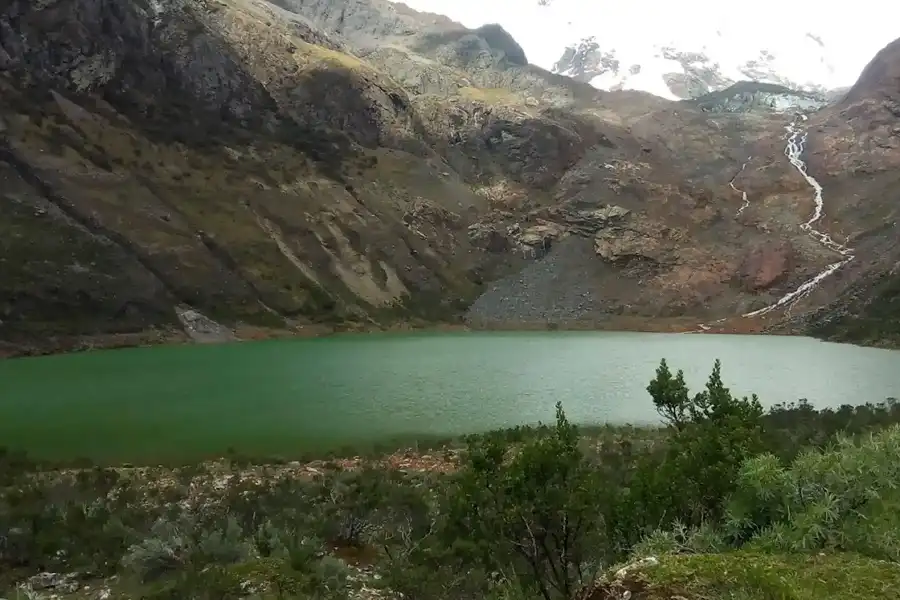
748	96
354	163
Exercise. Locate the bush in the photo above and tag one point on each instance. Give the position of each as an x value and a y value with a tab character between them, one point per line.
705	539
712	434
842	498
322	578
183	545
793	427
534	515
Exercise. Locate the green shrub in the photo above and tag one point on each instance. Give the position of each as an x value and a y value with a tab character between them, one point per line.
533	514
793	427
687	481
705	539
845	497
323	578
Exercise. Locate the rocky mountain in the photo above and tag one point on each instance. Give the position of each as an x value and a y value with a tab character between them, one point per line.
858	153
679	71
207	169
748	96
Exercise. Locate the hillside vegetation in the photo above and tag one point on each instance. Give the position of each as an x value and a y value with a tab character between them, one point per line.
724	501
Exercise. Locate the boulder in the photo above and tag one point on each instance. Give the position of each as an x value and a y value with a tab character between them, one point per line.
486	237
766	265
541	235
624	244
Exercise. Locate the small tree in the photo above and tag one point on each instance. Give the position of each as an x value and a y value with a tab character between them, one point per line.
713	434
533	513
670	396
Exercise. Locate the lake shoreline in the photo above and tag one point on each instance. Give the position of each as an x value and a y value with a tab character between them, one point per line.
417	452
393	390
243	333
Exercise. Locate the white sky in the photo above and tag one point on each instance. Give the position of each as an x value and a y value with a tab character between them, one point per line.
852	31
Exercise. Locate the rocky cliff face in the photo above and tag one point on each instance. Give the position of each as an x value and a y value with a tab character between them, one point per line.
750	96
212	169
858	151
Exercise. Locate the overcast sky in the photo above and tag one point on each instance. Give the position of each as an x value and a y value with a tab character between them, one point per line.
852	31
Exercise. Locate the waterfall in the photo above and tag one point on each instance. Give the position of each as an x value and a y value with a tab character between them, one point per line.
796	142
741	192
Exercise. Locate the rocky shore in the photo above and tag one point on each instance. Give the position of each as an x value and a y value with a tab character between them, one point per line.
63	345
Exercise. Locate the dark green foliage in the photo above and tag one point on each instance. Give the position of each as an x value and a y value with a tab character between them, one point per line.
713	433
13	465
792	427
845	497
537	516
670	396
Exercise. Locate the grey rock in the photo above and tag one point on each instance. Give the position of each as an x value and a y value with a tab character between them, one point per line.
551	289
57	582
586	60
5	59
201	328
541	235
748	96
487	237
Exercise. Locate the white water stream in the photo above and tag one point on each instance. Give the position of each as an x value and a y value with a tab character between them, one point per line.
796	141
741	192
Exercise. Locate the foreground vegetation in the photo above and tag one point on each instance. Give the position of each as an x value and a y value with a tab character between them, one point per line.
725	501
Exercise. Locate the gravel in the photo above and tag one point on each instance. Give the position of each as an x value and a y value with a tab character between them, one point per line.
560	287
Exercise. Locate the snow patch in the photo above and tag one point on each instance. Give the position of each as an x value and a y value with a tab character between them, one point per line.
648	78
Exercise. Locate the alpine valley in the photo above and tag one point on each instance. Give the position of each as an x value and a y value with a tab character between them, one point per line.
219	169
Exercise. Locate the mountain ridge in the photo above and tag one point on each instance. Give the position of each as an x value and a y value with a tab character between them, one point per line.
674	73
267	168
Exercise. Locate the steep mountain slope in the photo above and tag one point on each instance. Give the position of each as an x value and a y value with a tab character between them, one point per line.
858	150
219	156
210	169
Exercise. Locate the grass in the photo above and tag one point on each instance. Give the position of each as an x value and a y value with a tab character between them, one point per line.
490	95
333	58
751	576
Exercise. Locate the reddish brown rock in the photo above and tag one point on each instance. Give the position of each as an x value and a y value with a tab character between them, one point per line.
766	265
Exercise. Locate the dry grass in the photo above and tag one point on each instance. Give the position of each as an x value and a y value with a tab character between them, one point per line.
501	96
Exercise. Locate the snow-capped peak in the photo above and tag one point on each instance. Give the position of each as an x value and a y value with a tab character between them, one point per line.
775	41
677	71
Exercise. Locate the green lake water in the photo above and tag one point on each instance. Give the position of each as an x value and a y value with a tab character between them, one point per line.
289	397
